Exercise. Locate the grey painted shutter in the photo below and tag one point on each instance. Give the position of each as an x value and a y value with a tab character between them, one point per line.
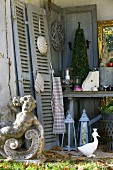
40	64
22	56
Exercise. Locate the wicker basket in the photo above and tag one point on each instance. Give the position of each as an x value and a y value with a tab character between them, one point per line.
106	130
110	146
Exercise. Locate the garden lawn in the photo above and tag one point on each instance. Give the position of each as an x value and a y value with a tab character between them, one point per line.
60	165
56	159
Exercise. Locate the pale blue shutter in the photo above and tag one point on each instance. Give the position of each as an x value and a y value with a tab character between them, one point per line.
40	64
22	56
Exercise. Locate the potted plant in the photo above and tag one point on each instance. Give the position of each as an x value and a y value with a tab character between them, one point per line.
79	61
106	124
107	109
110	63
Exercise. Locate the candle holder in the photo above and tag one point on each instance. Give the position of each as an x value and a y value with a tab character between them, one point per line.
67	81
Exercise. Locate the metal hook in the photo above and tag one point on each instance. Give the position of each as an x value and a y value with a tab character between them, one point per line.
70	45
87	44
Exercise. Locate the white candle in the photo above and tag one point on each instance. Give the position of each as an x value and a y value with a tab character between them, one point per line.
67	72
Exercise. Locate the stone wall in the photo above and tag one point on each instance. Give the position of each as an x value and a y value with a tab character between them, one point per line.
106	76
7	78
104	7
7	63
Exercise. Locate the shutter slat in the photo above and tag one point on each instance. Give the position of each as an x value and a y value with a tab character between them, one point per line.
48	118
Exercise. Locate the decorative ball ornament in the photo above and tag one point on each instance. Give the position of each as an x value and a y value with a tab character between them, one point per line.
57	35
42	44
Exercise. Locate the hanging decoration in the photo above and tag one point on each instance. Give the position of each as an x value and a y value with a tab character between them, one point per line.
41	42
57	34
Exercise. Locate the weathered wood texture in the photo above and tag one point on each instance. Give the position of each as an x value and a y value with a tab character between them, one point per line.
54	14
84	94
30	21
40	64
87	16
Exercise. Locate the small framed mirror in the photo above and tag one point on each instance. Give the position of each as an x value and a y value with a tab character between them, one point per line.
105	42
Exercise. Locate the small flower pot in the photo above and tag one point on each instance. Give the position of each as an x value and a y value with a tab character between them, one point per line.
110	64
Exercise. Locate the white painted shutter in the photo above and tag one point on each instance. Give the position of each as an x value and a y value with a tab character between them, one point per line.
40	64
22	56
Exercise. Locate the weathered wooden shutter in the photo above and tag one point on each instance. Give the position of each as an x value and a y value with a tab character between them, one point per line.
22	55
40	63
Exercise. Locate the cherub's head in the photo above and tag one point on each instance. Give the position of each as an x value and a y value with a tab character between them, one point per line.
28	103
16	101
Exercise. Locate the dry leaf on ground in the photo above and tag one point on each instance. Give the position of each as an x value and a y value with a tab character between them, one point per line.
66	168
100	164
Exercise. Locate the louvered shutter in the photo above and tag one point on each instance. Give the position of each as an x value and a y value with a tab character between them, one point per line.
38	26
22	56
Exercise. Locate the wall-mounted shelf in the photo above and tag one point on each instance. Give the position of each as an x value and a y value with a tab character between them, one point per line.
88	94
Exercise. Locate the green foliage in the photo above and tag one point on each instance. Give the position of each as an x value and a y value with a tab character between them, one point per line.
11	166
107	108
108	35
111	60
79	57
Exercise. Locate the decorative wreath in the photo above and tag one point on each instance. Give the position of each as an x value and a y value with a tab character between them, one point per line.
57	34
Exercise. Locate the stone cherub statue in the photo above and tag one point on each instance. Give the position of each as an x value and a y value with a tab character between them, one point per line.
26	123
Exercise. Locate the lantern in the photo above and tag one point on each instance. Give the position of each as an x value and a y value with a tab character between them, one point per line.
70	129
67	81
83	128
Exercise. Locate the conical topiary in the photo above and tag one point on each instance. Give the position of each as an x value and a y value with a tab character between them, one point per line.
79	57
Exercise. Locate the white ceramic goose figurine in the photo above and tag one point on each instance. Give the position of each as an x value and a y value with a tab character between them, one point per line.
89	148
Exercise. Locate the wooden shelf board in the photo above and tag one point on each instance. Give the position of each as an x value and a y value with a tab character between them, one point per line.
88	94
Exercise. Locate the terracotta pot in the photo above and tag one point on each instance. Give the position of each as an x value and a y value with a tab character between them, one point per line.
110	64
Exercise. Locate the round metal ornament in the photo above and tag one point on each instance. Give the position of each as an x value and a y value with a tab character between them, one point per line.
57	35
42	44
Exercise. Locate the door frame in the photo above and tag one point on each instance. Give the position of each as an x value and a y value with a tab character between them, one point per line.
85	8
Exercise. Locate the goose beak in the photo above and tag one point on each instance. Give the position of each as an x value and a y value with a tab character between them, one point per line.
98	135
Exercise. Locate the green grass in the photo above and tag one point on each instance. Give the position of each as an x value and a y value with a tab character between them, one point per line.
61	165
